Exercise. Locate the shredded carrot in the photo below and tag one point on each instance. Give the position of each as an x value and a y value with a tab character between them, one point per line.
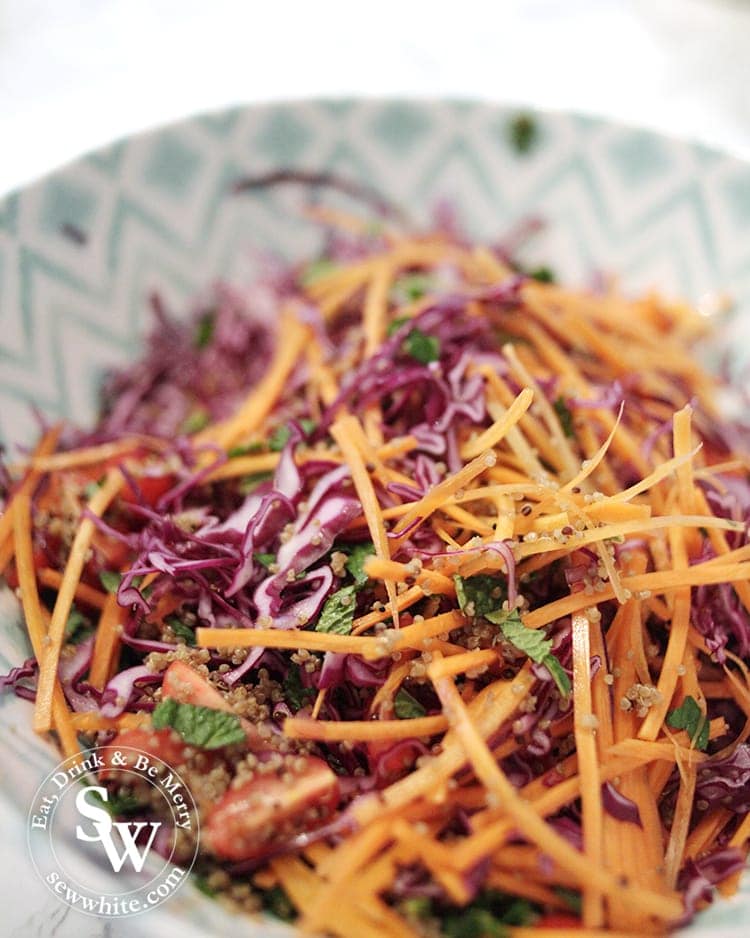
49	660
588	766
297	728
84	593
501	483
61	719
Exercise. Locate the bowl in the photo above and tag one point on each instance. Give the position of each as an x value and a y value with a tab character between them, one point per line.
81	249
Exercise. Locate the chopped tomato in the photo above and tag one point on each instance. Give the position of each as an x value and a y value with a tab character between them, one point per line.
184	684
268	809
152	487
163	744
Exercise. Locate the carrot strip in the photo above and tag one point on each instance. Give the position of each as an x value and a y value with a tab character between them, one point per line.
493	435
588	766
84	593
26	487
21	516
534	827
48	664
343	431
107	642
251	414
300	728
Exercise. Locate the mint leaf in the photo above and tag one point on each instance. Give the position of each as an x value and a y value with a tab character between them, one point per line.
338	613
411	287
205	330
251	482
315	270
307	425
201	883
265	560
532	642
196	420
118	803
396	324
571	898
564	416
356	562
407	707
181	630
488	916
279	438
198	726
523	133
543	274
77	628
480	595
110	580
248	449
690	717
277	903
295	693
422	347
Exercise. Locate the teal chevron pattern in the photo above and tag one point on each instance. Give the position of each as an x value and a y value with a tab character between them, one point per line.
81	249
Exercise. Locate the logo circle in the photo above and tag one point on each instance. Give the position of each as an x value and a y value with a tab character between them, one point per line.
113	832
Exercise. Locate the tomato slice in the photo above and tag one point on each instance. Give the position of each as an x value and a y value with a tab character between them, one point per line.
162	744
184	684
268	809
152	488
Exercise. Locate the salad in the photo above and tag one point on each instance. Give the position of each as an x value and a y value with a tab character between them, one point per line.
431	577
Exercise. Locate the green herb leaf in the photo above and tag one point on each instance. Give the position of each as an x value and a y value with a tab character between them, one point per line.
418	907
77	628
422	347
279	438
543	274
295	693
316	269
565	416
181	630
307	425
199	726
110	580
571	898
690	717
407	707
523	133
489	916
90	489
265	560
249	449
118	803
196	420
338	613
411	287
356	562
277	903
396	324
480	595
533	643
201	883
205	331
251	482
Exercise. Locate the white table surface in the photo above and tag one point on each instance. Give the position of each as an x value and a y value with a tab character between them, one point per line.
74	75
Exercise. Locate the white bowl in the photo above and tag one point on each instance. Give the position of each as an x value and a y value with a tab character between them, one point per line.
81	249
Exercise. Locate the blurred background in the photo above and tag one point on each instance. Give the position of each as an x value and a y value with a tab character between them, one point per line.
77	73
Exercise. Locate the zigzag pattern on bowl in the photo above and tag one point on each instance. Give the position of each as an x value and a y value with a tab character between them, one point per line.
156	213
